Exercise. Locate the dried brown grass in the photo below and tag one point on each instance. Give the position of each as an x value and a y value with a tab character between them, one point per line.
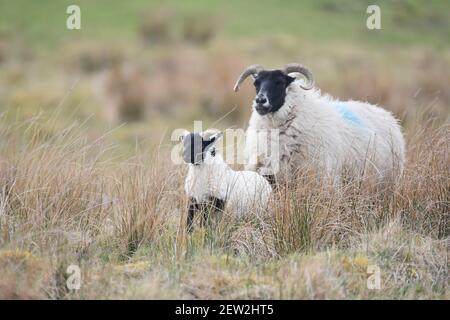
125	222
64	200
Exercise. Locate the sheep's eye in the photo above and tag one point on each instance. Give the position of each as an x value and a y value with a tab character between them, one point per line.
213	152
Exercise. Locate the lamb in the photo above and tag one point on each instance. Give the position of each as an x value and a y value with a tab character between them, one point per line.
341	139
212	184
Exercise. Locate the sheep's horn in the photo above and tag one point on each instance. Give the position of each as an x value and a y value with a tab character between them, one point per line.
295	67
252	70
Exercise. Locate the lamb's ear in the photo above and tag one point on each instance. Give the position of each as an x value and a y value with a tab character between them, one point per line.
211	135
216	136
208	134
183	134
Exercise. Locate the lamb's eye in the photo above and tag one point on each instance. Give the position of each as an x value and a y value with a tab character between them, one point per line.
213	152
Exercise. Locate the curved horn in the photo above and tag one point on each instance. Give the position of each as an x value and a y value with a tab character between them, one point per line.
251	70
295	67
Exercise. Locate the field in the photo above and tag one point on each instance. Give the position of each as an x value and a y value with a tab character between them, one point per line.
86	118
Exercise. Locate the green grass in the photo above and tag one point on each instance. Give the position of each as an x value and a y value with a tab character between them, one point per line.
409	22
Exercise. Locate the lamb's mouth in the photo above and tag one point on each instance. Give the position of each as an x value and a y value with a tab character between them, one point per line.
194	163
196	160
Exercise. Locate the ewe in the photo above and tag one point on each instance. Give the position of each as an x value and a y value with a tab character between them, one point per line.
340	139
212	185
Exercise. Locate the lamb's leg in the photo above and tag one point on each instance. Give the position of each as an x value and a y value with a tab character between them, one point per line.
192	208
212	206
271	179
205	210
218	205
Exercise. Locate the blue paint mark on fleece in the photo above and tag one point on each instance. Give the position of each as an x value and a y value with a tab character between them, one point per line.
349	115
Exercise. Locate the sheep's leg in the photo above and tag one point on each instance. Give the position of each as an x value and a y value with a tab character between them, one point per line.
192	208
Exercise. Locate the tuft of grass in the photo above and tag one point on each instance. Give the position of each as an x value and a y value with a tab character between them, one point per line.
123	224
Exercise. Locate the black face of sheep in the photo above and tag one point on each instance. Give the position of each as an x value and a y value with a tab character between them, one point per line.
270	90
194	147
271	85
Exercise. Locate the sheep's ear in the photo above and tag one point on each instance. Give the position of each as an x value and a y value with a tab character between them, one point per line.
183	134
289	80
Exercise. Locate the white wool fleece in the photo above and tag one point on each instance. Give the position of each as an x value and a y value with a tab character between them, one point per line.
242	191
331	135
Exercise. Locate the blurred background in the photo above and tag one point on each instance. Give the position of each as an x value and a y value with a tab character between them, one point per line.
139	69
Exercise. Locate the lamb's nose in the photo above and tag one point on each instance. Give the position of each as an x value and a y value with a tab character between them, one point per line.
187	156
260	99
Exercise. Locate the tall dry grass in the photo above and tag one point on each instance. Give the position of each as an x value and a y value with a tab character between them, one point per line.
313	216
123	223
61	202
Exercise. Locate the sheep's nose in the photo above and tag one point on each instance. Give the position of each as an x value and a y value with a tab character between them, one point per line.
260	99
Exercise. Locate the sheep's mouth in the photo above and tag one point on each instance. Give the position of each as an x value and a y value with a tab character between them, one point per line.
262	109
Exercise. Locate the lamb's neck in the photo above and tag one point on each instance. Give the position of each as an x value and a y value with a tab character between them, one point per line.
212	167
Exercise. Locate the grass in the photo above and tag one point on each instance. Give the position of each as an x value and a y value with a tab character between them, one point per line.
123	223
78	188
403	22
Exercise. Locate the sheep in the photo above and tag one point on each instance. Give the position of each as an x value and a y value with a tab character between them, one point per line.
342	139
212	184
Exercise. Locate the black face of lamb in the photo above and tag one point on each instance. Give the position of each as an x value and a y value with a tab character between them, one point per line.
270	90
194	148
